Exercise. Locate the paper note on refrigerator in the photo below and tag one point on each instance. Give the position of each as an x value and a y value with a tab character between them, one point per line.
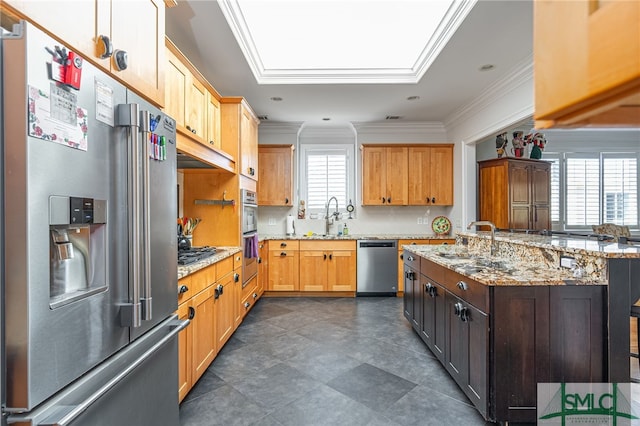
49	114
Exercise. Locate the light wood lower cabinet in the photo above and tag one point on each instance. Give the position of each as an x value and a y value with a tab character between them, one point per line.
211	299
328	265
283	265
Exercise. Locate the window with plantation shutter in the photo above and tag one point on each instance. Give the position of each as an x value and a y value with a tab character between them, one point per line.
555	187
582	191
620	190
327	173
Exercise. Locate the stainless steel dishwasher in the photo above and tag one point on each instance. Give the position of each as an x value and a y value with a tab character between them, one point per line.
377	268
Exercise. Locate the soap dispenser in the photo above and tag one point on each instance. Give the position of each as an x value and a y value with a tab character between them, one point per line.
345	230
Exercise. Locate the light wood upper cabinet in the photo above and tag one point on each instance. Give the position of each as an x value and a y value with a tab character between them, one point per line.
275	175
588	73
240	134
78	24
196	109
431	175
384	175
177	80
213	121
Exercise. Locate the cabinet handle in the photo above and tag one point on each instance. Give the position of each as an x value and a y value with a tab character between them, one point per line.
259	260
192	312
464	315
462	285
236	278
216	293
283	244
389	200
331	256
383	200
433	200
283	253
286	201
251	171
189	128
457	309
427	200
212	143
427	288
255	295
121	60
246	305
410	258
183	289
105	47
325	256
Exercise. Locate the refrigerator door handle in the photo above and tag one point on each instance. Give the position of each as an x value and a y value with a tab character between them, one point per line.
145	296
128	115
67	414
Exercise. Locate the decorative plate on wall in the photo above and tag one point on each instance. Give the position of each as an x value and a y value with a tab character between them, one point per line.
441	225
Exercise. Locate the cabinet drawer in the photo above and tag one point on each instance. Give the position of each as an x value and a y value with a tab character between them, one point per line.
224	267
412	260
328	245
411	243
432	270
237	260
249	288
187	290
439	241
467	289
284	244
202	279
247	303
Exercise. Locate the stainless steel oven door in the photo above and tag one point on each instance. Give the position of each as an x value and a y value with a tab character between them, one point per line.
249	218
249	257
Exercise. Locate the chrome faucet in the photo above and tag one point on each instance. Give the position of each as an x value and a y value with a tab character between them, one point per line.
493	232
328	219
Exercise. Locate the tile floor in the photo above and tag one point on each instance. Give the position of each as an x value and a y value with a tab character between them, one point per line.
310	361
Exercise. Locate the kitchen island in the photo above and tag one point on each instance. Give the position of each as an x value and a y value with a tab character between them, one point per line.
502	324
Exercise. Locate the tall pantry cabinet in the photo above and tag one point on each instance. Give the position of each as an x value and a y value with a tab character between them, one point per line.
514	193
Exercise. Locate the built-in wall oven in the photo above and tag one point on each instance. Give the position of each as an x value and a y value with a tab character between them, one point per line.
249	235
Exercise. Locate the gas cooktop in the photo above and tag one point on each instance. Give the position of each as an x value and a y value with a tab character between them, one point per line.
194	254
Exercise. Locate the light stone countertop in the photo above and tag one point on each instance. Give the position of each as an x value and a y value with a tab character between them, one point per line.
497	270
357	237
221	253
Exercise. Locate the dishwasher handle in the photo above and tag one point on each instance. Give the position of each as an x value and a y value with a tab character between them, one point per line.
376	244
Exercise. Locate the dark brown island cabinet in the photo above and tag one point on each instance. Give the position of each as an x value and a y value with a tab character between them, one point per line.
499	342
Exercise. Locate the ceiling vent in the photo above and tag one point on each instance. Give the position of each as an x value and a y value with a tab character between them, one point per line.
263	117
392	117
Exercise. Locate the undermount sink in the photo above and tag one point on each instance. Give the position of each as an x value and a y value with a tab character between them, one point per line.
454	255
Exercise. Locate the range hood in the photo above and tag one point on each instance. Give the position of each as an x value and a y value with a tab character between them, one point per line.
185	161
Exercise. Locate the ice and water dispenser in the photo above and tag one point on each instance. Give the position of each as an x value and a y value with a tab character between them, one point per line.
77	248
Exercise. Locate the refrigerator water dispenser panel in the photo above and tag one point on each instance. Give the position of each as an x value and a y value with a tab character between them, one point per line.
77	249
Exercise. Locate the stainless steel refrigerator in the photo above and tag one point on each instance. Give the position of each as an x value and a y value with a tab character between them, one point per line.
89	247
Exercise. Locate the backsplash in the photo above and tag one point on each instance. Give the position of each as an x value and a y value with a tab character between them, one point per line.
367	220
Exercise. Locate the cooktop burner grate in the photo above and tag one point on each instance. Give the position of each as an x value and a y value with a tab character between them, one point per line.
194	254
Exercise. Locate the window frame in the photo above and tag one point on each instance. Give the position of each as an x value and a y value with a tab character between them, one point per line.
348	148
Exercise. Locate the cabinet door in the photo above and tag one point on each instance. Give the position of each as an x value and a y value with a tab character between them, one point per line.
283	270
185	339
521	338
263	266
177	77
397	193
519	183
313	270
540	184
248	145
341	270
478	357
225	306
441	176
145	47
439	327
520	216
275	176
373	176
457	342
427	330
408	296
419	165
603	64
203	324
213	122
541	217
196	107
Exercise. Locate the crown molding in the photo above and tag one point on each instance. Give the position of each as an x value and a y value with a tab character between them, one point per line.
279	127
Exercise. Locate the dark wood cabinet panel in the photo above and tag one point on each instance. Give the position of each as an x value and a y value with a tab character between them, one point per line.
576	337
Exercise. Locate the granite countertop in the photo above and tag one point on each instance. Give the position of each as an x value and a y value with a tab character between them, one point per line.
357	237
497	271
564	243
221	253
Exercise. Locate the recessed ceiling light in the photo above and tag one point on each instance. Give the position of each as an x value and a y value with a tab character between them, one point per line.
276	98
392	117
263	117
326	119
413	98
487	67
